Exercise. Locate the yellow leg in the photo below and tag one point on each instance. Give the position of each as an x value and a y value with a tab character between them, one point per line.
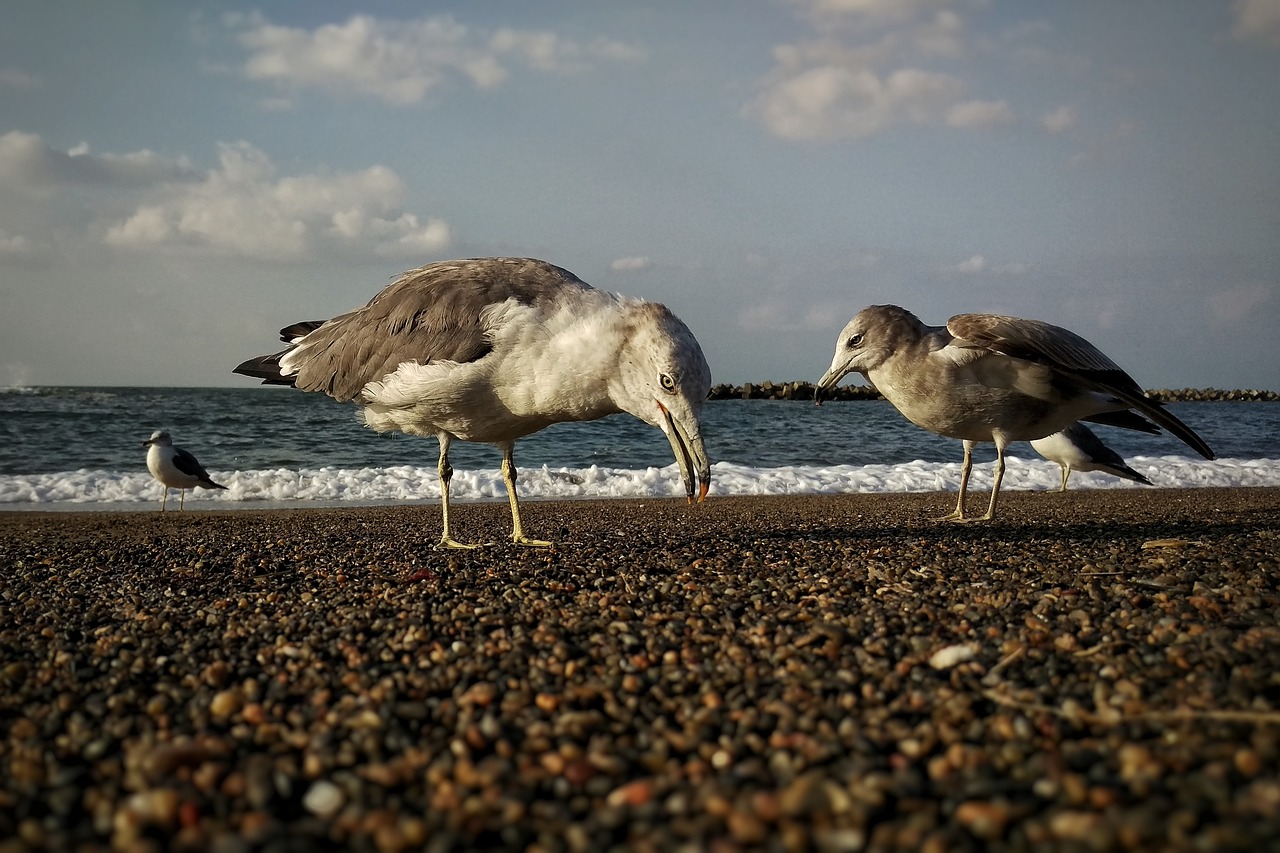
445	470
1066	472
164	498
182	499
509	477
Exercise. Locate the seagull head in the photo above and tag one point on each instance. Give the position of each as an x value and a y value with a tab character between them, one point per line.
663	379
159	438
866	342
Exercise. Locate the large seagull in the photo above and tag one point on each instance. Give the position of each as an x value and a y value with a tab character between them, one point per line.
493	349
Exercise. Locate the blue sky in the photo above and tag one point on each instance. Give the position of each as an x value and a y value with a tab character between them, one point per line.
178	181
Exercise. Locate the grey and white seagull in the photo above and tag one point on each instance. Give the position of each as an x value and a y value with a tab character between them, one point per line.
987	377
175	468
1077	448
493	349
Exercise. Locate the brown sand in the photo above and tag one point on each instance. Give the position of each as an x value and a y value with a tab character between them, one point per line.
1095	670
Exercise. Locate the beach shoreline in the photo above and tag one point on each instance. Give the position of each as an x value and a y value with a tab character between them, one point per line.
1094	669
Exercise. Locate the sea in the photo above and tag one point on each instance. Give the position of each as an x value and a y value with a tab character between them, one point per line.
72	448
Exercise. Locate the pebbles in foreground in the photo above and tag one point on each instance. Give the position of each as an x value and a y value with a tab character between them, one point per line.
1095	671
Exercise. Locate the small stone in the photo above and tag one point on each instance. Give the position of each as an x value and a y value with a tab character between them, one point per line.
225	703
986	820
324	799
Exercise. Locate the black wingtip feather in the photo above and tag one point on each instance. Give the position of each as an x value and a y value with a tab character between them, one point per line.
266	368
290	334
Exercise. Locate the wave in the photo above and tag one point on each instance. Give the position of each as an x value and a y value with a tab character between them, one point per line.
96	489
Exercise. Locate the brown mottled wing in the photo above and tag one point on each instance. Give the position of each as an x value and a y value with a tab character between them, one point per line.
429	314
1042	343
1067	353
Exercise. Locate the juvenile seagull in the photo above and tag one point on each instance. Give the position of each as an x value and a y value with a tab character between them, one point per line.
985	377
493	349
1076	447
175	468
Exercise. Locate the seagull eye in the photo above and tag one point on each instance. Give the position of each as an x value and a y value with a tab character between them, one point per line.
667	382
854	341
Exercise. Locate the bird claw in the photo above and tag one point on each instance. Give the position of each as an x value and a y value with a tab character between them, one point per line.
450	542
531	543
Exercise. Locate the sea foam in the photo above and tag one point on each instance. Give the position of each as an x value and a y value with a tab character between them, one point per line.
95	489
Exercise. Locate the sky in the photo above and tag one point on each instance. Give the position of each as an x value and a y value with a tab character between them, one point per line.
179	181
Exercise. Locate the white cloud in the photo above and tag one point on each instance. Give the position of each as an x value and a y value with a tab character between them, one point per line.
853	87
243	208
632	264
15	244
980	114
16	78
1060	120
980	264
1234	304
772	314
866	13
1257	20
402	61
973	264
28	162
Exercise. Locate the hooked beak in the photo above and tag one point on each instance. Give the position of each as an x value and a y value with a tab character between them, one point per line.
691	456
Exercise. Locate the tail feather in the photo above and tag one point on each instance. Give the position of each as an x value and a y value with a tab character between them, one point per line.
1126	473
1125	420
266	368
1154	410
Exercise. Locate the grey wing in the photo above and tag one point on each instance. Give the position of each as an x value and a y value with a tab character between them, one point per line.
1042	343
1065	352
188	464
434	313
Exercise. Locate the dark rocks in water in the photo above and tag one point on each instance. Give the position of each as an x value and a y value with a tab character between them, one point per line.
801	390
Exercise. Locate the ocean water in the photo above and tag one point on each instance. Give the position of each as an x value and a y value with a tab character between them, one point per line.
80	448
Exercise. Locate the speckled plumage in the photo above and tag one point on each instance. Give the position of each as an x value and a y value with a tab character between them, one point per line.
988	377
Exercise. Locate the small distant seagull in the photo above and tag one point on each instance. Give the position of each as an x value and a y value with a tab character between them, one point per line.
493	349
175	468
1078	448
986	377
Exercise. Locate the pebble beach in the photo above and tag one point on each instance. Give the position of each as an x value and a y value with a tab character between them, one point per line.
1095	670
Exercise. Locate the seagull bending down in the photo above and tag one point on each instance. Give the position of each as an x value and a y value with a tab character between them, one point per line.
493	349
175	468
986	377
1078	448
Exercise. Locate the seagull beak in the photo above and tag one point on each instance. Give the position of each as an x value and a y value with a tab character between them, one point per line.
691	456
829	380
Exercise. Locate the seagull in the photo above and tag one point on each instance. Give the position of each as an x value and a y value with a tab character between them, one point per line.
987	377
1076	447
175	468
493	349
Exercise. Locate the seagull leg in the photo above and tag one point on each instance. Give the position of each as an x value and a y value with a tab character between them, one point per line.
164	498
509	477
997	476
445	470
182	499
958	513
1066	472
